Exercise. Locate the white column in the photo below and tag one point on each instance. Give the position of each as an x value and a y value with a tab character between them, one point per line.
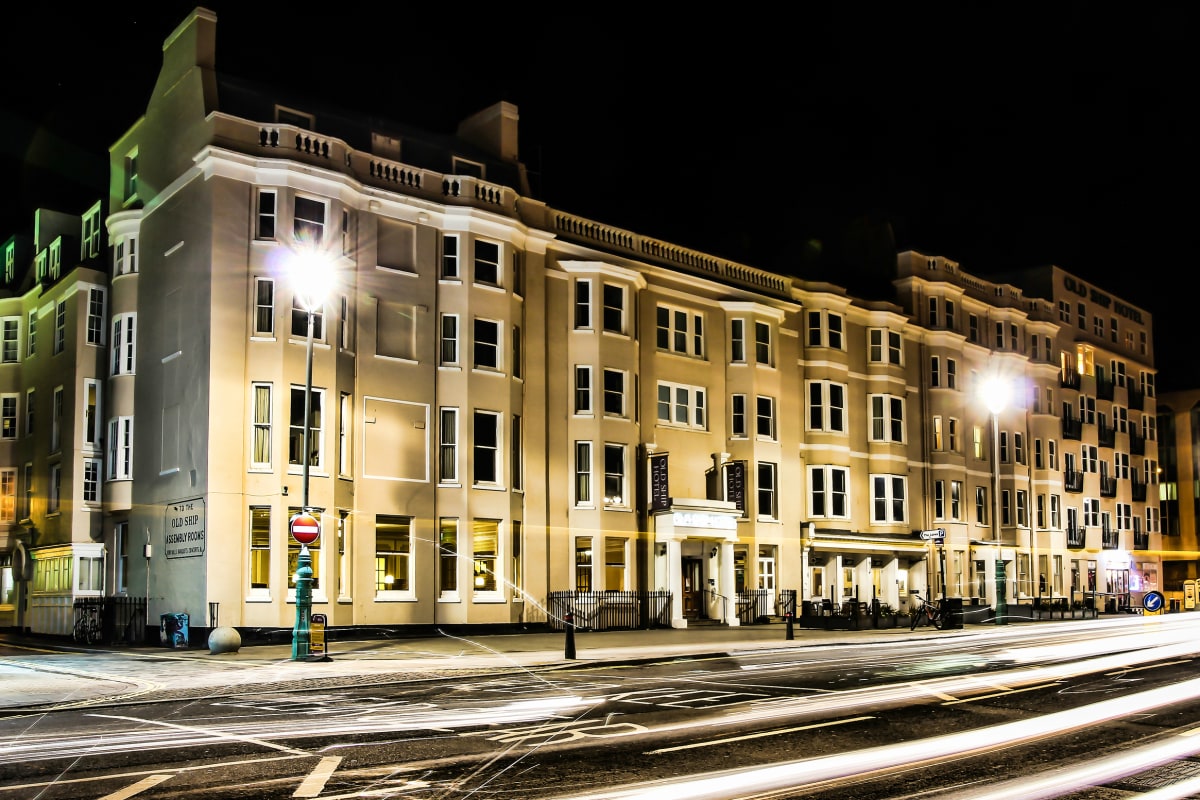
725	584
675	583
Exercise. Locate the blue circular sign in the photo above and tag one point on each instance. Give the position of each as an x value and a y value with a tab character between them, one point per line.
1153	601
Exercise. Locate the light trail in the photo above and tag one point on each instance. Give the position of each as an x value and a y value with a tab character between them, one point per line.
730	784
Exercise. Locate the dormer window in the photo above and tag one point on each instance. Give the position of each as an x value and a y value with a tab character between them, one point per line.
462	166
297	119
90	235
131	175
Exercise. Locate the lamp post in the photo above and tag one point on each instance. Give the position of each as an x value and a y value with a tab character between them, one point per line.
995	397
312	276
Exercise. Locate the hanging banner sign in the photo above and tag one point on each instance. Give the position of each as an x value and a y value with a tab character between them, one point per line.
735	484
660	492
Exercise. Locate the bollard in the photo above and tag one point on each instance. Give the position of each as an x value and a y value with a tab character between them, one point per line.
569	620
790	633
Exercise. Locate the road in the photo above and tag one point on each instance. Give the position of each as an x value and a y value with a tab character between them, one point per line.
1020	711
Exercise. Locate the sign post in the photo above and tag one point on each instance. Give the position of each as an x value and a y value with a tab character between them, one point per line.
305	529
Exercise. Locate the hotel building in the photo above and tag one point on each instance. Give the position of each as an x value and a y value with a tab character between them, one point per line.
510	401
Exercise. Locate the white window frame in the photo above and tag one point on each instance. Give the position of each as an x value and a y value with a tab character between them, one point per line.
583	393
828	488
124	343
309	231
10	339
682	333
886	413
31	334
95	316
889	499
582	458
448	338
316	436
619	311
737	341
685	406
56	419
826	329
261	429
885	352
737	417
125	255
60	326
9	415
449	269
448	439
91	398
481	452
616	475
92	470
482	260
765	417
767	491
764	345
264	308
482	347
823	413
614	402
582	305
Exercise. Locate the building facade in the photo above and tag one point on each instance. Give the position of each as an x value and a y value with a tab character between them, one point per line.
509	400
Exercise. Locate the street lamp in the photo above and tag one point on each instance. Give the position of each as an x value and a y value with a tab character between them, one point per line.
313	278
995	393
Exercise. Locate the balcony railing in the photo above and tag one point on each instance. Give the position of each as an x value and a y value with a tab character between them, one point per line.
1073	480
1138	488
1137	444
1076	537
1108	486
1110	539
1137	398
1141	539
1104	388
1106	435
1072	428
1068	379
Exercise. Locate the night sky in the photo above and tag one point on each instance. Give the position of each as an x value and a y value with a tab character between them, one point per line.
1001	136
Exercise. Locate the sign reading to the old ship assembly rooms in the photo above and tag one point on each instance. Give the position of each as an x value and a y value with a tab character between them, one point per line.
183	529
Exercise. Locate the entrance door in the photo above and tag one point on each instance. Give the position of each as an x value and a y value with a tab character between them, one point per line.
693	599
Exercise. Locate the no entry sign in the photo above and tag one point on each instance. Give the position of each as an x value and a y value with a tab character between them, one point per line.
305	528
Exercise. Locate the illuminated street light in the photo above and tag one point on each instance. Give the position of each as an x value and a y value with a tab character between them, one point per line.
996	392
312	276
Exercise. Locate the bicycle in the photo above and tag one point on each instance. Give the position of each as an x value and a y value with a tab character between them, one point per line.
930	610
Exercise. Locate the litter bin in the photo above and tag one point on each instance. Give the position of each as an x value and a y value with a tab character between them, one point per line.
952	613
173	630
807	609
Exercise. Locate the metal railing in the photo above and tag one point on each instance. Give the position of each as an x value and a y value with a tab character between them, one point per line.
617	610
1076	536
754	605
109	620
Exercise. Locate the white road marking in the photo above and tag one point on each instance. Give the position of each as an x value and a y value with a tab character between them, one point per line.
314	783
212	733
137	788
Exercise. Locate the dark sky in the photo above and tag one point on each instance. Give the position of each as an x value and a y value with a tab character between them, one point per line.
1001	136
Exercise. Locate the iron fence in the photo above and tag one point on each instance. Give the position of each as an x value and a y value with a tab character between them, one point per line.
754	605
110	620
602	611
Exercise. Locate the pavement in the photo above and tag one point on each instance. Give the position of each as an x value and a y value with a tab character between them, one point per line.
44	674
41	674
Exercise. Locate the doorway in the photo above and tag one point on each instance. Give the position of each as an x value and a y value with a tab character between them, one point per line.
693	599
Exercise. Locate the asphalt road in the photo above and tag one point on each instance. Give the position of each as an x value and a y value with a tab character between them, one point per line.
929	716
